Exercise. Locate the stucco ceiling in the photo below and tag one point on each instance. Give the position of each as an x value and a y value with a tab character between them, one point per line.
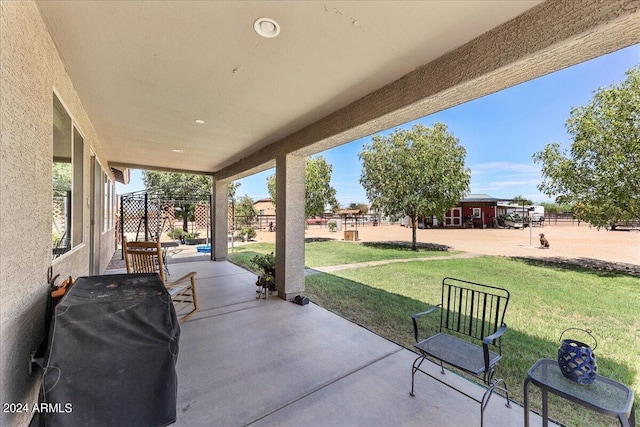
146	70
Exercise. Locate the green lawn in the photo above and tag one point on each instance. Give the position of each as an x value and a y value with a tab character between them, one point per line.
325	253
545	299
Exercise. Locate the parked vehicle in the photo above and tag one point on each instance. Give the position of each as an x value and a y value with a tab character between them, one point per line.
317	221
513	221
537	220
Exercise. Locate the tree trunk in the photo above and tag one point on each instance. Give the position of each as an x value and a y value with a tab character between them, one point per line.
185	219
413	234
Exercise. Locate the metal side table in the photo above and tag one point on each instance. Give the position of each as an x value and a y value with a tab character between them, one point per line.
604	395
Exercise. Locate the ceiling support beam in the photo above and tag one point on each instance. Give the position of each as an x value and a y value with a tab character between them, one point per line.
290	216
220	220
551	36
120	165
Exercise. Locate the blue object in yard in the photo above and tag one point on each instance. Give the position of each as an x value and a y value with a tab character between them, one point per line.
204	248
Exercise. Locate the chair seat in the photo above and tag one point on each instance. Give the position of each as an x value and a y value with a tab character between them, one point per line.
175	290
457	352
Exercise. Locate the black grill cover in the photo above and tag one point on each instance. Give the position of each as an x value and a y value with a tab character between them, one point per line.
113	348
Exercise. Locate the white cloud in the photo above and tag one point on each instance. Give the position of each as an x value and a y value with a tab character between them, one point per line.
506	179
502	167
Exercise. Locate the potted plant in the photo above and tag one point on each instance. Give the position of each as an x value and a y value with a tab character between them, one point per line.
267	265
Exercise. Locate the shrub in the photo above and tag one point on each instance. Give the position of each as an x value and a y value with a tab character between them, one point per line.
266	262
248	233
333	226
176	234
179	234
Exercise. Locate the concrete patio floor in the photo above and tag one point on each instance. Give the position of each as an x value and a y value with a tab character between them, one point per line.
269	362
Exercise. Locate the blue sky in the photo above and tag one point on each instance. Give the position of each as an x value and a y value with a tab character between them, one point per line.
500	132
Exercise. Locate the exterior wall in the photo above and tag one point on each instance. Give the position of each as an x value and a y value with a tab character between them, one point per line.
107	248
30	69
488	212
266	206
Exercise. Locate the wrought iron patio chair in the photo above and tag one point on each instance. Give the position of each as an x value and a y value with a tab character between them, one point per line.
146	257
469	337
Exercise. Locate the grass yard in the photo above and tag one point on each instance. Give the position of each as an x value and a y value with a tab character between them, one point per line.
545	300
325	253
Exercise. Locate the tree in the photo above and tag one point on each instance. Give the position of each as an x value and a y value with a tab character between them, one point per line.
245	211
600	175
318	190
554	208
232	189
415	172
62	176
520	200
179	186
363	207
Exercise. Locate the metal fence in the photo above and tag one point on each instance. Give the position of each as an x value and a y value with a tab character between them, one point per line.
560	218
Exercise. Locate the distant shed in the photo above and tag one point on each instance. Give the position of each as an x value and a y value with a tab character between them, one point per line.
474	211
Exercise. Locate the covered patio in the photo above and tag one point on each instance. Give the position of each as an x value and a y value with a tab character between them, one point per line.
247	361
100	88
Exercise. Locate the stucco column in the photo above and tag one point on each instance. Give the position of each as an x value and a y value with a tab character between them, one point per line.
220	218
290	203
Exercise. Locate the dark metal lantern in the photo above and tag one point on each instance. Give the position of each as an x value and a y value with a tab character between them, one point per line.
577	360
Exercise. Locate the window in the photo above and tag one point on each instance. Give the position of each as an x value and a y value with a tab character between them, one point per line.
78	179
68	158
476	212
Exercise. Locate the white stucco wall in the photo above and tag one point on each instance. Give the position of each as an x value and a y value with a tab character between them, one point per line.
30	69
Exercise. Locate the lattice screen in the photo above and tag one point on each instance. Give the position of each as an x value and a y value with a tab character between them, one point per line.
203	217
160	214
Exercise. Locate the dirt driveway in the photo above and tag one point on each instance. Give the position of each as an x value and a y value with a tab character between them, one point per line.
580	244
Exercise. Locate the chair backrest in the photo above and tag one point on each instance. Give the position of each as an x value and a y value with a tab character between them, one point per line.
143	257
472	309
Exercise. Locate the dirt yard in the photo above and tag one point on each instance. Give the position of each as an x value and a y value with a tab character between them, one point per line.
575	244
571	244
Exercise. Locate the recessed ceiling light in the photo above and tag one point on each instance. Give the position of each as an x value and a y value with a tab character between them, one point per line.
266	27
178	151
200	121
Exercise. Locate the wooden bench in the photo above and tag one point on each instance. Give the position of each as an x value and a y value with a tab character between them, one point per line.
469	337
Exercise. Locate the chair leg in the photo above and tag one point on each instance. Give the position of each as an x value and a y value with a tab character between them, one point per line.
487	396
193	293
414	369
188	299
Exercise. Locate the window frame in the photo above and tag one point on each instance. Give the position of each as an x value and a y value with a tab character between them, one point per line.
74	235
107	196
